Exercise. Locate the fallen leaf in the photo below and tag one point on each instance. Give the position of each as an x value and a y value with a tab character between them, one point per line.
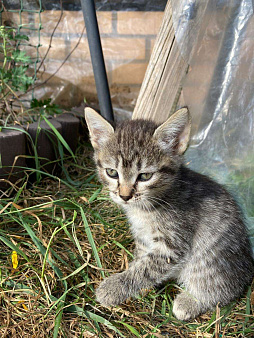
14	259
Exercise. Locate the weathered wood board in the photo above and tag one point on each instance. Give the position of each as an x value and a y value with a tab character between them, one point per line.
162	82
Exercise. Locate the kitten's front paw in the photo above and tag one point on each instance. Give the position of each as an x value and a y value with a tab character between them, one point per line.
112	291
186	307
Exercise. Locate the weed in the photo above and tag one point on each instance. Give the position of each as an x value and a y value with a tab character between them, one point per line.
44	108
14	78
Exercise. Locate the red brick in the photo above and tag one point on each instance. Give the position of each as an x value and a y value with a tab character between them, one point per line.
139	22
57	50
114	48
71	21
129	73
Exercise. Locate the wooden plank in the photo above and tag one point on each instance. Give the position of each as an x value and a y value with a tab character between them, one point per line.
165	71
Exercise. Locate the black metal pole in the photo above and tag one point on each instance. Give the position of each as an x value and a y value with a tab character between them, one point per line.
100	75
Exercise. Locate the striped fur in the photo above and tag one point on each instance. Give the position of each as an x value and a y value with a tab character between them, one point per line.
186	227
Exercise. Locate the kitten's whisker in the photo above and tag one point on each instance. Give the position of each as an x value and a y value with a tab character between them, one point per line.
161	202
161	216
157	200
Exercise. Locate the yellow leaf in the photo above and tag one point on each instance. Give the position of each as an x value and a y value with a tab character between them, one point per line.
25	307
14	259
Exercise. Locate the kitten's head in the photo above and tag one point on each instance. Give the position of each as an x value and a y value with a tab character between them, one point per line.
138	161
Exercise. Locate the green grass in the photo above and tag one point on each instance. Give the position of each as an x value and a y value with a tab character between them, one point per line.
68	235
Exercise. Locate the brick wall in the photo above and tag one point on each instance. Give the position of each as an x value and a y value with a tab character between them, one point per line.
127	41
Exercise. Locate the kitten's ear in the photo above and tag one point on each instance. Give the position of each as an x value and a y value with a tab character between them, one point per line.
174	134
99	129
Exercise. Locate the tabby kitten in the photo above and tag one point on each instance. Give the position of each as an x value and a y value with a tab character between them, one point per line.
186	227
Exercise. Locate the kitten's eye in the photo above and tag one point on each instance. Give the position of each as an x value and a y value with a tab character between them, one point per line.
112	173
145	176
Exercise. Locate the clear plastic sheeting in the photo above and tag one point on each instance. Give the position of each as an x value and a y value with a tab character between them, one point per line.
216	38
187	20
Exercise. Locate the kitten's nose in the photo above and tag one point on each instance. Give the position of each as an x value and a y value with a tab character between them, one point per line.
126	198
